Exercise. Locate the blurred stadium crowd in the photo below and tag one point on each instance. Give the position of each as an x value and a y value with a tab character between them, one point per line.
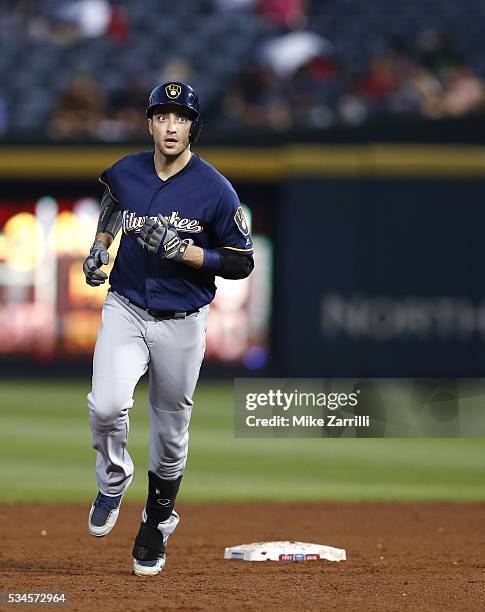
81	69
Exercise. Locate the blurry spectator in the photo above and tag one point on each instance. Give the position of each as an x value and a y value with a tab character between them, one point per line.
60	30
351	109
463	93
80	109
126	118
436	51
308	93
80	19
41	29
400	58
375	86
416	93
176	69
90	18
118	29
287	53
387	84
286	13
259	99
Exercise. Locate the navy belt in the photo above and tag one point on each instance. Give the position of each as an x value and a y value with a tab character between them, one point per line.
161	315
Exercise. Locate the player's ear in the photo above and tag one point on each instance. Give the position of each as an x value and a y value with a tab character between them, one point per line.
150	129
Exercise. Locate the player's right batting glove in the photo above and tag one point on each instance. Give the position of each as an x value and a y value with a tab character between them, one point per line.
98	256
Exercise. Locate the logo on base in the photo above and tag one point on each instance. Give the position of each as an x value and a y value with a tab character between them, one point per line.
237	555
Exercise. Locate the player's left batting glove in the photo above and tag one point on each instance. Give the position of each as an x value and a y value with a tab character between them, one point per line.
162	238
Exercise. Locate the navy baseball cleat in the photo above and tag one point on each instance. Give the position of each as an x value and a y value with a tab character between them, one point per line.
104	514
150	543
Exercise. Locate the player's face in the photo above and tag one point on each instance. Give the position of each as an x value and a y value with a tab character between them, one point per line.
170	129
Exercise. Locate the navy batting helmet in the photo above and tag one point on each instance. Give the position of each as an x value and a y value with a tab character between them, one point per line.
180	94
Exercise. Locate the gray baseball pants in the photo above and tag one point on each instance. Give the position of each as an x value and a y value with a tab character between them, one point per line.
130	342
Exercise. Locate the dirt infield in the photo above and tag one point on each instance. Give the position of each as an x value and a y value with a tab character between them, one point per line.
400	557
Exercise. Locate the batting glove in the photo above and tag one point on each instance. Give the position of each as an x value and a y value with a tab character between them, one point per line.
98	256
160	237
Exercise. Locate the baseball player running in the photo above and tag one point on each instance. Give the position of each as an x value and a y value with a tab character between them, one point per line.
182	225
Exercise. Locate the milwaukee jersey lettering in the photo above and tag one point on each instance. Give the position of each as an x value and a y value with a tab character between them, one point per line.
132	223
